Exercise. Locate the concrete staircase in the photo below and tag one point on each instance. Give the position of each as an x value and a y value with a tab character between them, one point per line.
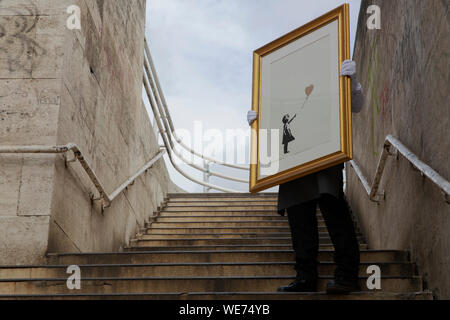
216	246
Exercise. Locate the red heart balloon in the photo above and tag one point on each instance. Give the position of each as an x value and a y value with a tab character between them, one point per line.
309	90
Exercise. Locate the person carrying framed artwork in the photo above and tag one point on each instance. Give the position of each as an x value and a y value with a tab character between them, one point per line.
300	198
316	141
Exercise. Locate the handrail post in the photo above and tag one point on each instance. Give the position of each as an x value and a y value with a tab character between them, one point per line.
78	156
425	170
206	176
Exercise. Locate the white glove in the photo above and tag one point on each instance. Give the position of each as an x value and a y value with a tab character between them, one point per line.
348	68
251	117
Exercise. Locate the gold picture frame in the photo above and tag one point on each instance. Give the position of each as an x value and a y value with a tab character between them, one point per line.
343	151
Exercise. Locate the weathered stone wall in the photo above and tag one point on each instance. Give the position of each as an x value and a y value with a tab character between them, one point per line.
82	86
404	70
31	56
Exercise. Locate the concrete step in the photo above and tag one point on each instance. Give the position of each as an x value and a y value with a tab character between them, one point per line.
211	256
213	242
205	230
320	224
191	270
200	245
268	213
196	296
262	218
183	203
185	284
149	242
219	224
222	196
181	218
247	235
215	235
222	212
324	239
222	208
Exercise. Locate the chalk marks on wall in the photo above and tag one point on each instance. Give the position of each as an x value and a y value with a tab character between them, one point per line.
379	92
16	37
373	88
385	99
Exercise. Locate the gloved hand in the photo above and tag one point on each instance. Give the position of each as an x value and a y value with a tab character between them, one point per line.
251	117
348	68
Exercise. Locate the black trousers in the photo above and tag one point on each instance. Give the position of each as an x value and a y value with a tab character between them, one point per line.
305	237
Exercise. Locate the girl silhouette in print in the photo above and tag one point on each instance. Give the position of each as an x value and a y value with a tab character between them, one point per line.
287	133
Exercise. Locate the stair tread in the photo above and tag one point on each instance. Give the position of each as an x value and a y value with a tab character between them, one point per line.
206	204
221	206
166	278
187	284
225	216
206	251
233	195
275	245
325	234
224	221
235	295
218	228
250	202
167	210
271	236
190	264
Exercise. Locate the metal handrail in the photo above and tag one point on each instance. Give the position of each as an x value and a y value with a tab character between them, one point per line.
78	155
424	169
132	179
158	113
161	101
168	145
166	129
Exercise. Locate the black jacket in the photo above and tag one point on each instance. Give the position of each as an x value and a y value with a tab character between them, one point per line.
328	181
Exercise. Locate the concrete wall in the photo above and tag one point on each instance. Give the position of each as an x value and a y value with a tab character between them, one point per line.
83	86
31	56
404	70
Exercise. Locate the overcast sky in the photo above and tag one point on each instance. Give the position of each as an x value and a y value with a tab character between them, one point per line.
203	50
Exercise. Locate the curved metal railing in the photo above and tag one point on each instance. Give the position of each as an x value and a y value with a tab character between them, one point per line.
169	149
166	115
168	134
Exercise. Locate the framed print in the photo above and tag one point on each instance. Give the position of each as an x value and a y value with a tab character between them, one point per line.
303	104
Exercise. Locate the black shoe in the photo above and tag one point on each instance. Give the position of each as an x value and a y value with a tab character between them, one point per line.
342	287
300	286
